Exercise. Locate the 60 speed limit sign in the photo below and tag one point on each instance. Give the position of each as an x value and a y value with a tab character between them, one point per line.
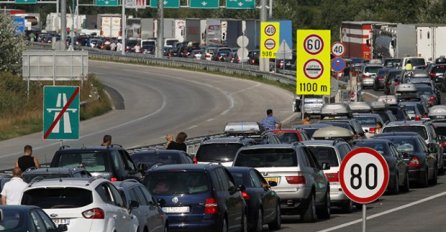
364	175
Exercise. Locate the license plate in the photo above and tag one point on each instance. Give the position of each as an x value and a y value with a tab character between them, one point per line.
272	179
60	221
183	209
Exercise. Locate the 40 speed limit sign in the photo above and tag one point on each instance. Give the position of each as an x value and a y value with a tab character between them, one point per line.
364	175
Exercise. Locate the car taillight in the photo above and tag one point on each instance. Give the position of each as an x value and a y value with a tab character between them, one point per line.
113	179
194	160
211	206
372	130
417	118
245	195
414	162
443	144
432	75
295	179
332	177
95	213
432	99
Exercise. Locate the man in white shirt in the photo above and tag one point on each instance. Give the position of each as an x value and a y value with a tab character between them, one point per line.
13	190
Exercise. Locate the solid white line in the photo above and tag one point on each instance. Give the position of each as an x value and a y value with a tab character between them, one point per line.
384	213
192	127
372	95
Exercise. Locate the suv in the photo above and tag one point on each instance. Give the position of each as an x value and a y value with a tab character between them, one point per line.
368	75
48	173
113	162
82	204
332	152
221	150
200	197
301	184
144	207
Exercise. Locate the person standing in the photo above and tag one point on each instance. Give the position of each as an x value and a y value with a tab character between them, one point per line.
178	144
307	119
270	122
12	192
119	46
106	141
27	160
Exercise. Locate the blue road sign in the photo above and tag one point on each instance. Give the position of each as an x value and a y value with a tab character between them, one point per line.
20	24
338	64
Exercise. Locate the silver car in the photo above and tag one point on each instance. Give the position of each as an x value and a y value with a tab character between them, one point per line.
296	175
368	75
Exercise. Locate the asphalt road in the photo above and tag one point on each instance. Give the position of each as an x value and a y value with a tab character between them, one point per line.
158	101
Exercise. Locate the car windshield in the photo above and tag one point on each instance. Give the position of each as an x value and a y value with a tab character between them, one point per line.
288	137
377	146
267	158
372	69
13	220
156	158
58	198
175	183
91	161
366	120
421	130
217	152
325	155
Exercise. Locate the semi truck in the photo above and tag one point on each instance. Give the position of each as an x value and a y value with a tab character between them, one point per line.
110	25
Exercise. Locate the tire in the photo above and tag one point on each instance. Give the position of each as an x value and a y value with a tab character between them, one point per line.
424	182
244	225
224	225
406	187
277	223
310	212
324	212
258	227
396	185
347	207
435	177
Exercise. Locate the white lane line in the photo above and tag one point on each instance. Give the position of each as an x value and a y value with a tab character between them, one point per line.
210	120
371	95
192	127
385	212
286	120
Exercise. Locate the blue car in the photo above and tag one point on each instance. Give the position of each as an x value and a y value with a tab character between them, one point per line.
19	218
198	197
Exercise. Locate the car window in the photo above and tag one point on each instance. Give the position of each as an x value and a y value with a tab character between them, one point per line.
49	225
366	120
13	220
218	152
267	158
117	199
91	161
37	221
344	150
288	137
117	160
380	147
228	177
58	198
421	130
310	158
257	182
128	164
394	150
104	193
141	199
146	194
152	158
240	178
169	183
325	155
218	186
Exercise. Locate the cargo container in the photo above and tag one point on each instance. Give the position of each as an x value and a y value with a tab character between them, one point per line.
110	25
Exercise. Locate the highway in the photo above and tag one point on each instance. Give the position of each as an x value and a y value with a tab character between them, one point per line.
158	101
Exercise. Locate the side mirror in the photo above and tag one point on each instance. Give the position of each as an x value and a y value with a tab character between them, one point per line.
272	183
325	166
62	227
133	205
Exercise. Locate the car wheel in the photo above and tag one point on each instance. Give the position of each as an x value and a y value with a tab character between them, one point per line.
277	223
424	181
434	177
395	189
224	225
347	207
310	212
258	227
406	186
325	212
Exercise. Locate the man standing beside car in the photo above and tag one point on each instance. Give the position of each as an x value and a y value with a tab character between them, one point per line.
271	122
12	192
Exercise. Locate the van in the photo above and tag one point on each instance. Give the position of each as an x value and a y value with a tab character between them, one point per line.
416	62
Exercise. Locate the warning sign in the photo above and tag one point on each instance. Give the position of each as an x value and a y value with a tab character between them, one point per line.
269	39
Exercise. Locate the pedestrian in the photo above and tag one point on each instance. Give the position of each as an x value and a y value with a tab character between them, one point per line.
271	122
113	46
178	144
27	160
378	128
307	119
12	192
106	141
119	46
137	48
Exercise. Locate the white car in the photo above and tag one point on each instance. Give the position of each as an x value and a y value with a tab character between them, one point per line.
82	204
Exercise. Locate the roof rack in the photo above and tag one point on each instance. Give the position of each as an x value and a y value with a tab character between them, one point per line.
338	140
63	147
35	180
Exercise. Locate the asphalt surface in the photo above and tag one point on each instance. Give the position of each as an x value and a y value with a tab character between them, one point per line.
158	101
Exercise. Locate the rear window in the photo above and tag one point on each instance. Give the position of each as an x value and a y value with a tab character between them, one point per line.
267	158
379	147
91	161
241	179
439	69
288	137
156	158
372	69
58	198
421	130
399	114
175	183
325	155
366	120
13	220
404	144
224	152
417	62
425	90
440	130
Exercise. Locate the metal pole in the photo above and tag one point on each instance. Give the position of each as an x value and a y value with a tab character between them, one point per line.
123	24
73	11
364	218
160	32
270	13
57	8
63	23
263	63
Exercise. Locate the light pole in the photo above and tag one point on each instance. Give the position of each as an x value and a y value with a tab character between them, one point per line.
263	62
160	34
123	24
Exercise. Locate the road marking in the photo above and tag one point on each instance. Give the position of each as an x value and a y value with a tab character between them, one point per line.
371	95
210	120
384	213
192	127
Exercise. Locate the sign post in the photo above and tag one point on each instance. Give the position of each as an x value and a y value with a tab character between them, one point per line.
364	176
61	114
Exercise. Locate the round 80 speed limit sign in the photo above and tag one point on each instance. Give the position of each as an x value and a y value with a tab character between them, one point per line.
364	175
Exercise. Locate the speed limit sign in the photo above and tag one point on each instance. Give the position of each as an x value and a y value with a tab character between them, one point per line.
338	49
313	44
364	175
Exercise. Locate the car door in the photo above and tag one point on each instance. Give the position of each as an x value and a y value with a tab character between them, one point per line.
155	214
400	164
123	219
235	201
267	195
318	175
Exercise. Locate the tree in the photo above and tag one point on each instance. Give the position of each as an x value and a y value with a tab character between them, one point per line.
11	46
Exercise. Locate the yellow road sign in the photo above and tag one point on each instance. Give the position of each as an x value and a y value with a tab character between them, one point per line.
313	62
269	39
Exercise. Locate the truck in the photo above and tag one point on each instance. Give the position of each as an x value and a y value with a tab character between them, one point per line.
430	41
53	22
110	25
147	28
173	29
193	30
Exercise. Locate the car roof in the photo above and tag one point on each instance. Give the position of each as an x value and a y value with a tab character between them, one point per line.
126	183
366	115
157	151
229	139
239	169
19	207
91	148
85	183
371	140
312	126
59	170
332	131
406	123
184	167
271	146
390	134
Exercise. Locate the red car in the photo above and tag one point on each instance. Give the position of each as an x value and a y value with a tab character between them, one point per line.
291	135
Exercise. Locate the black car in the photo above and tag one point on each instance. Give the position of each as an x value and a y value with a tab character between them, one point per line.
422	166
19	218
263	203
47	173
198	197
221	150
399	172
112	162
440	130
145	159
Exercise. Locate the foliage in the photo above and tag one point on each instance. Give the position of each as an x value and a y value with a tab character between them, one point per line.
11	46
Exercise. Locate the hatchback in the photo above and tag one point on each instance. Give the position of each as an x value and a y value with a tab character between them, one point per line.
47	173
221	150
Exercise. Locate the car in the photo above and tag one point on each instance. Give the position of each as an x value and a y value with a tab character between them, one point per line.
222	54
147	158
368	74
437	113
332	152
81	204
382	110
436	72
368	122
406	92
392	79
416	62
143	206
380	79
112	162
262	202
440	129
291	135
253	57
391	102
47	173
312	104
415	110
357	128
221	150
422	165
252	130
198	197
360	107
432	97
26	218
398	169
301	184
